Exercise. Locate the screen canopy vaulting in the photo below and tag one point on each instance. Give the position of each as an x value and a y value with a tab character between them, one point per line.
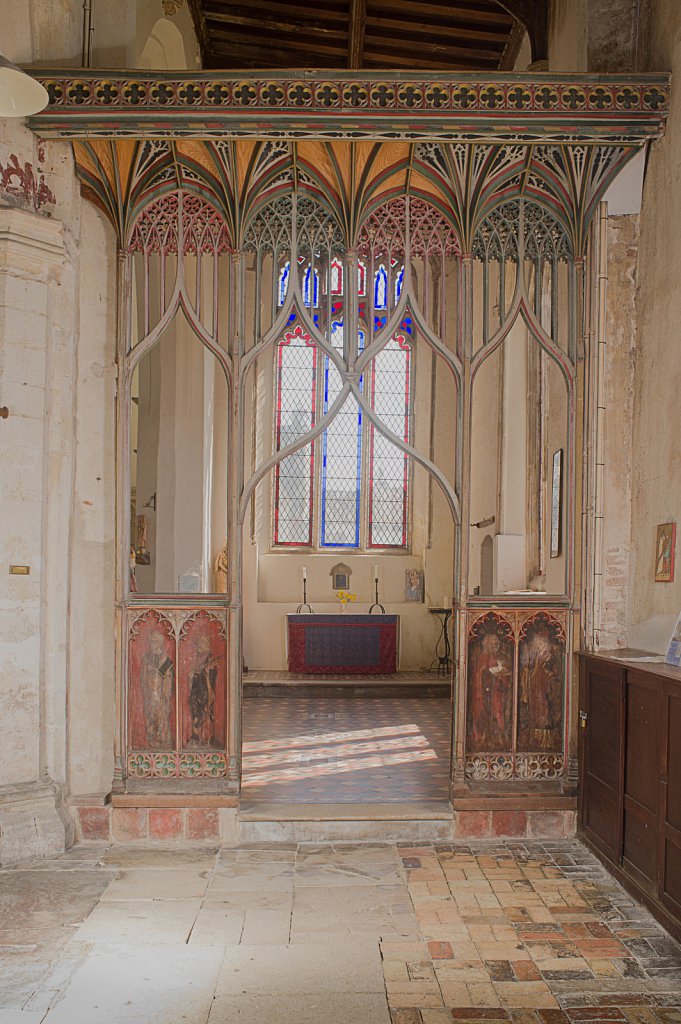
354	140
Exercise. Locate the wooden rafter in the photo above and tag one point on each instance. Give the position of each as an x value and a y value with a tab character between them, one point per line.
454	35
358	18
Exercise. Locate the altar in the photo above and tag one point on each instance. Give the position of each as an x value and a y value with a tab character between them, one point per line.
362	645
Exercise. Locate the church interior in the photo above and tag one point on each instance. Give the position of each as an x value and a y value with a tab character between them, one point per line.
341	632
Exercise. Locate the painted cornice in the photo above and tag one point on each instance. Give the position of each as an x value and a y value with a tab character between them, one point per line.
500	108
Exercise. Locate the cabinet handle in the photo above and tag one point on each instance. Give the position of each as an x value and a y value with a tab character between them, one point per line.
583	719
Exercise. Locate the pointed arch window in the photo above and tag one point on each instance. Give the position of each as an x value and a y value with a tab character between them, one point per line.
341	459
336	278
295	415
284	275
350	487
381	288
388	466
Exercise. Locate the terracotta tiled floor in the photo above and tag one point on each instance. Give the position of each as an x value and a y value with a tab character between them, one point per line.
345	749
529	934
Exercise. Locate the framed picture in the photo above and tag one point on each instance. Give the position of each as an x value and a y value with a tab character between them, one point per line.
665	545
556	503
340	575
413	585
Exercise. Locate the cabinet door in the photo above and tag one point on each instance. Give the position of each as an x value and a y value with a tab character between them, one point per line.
670	829
602	755
642	767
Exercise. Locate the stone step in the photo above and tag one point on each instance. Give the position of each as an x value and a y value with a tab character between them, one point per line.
265	822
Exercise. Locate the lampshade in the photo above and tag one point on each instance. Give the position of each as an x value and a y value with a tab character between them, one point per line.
20	95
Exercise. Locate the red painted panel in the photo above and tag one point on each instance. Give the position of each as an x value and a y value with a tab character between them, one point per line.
152	713
489	713
202	683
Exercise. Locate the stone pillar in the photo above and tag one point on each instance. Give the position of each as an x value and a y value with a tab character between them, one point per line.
32	748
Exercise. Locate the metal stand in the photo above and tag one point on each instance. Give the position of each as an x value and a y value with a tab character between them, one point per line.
442	662
376	603
302	607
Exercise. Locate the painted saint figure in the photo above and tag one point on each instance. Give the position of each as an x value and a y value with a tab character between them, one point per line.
203	674
156	682
490	694
540	707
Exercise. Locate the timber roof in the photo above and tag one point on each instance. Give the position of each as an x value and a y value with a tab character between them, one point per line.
448	35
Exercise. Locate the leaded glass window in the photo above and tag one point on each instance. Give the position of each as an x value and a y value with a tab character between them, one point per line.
341	459
336	278
295	415
283	282
388	469
349	488
311	295
381	288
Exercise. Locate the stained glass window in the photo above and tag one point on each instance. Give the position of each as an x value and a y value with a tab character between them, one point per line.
307	298
399	281
336	278
381	288
349	487
388	469
361	278
283	282
295	415
341	459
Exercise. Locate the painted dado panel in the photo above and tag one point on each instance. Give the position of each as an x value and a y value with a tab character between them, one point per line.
516	695
176	693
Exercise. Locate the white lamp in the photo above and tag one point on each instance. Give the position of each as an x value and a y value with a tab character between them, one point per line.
20	95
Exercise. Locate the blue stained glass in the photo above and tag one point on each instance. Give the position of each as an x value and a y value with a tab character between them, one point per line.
283	282
341	458
306	288
381	288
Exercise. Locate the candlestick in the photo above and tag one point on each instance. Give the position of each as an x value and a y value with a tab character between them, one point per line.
304	572
375	572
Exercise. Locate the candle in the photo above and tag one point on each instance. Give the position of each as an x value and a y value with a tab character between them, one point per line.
304	572
445	601
375	572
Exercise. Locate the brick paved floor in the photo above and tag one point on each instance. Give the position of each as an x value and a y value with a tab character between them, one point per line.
530	934
345	749
330	934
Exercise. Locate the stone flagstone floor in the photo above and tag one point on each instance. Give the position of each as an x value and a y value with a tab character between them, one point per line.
345	934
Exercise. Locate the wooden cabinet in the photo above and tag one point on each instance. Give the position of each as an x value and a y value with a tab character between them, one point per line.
630	776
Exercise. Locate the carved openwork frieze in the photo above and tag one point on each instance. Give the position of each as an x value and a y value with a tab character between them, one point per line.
354	105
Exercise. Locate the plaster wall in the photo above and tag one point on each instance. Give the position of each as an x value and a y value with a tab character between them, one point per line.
57	505
656	470
620	351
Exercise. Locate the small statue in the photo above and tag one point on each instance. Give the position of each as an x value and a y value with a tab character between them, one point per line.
221	570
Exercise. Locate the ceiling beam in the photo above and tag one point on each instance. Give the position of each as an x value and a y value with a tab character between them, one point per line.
196	11
534	15
417	23
358	19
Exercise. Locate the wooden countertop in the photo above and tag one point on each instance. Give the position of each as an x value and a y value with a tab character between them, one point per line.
627	656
